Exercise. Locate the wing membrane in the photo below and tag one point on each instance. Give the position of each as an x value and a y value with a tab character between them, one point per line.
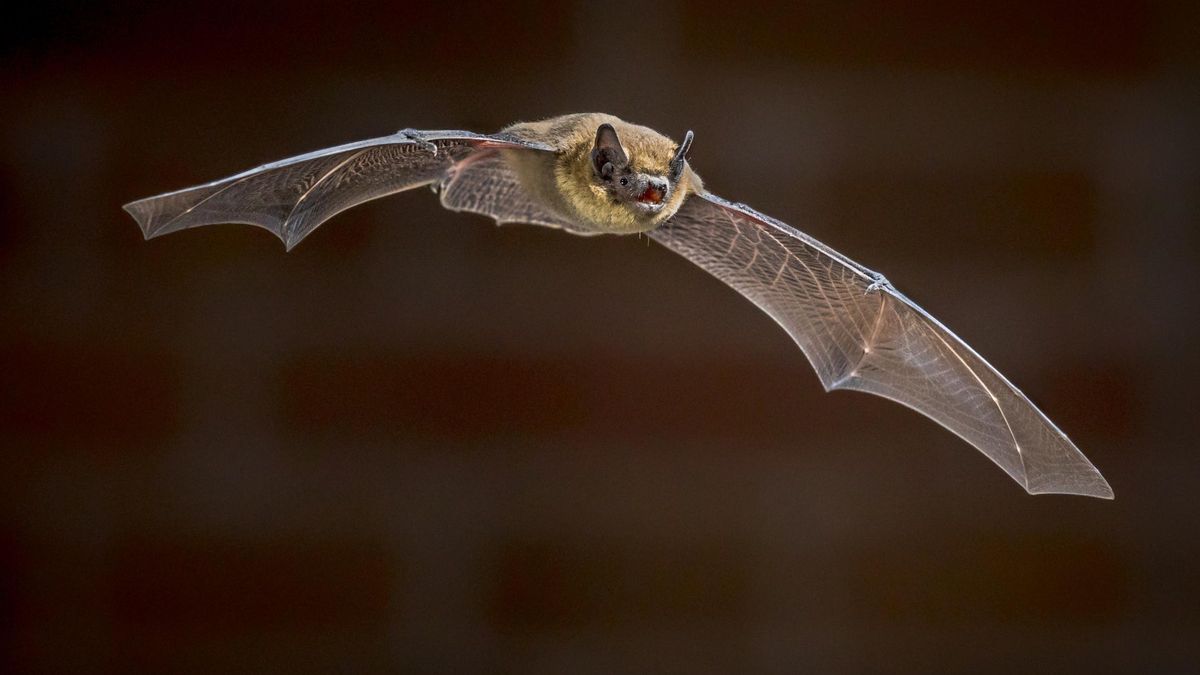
860	333
486	184
292	197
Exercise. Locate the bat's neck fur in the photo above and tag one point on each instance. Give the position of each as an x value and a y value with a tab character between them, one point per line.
569	181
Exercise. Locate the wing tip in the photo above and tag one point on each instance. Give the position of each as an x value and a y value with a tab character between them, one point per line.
1098	489
141	217
1078	476
1101	489
143	214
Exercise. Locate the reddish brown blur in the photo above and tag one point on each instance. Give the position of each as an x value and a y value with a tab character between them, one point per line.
422	443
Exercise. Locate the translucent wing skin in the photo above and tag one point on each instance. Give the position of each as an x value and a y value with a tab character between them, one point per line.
861	333
294	196
855	328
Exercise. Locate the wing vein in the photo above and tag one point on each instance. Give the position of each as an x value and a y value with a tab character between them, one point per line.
193	207
816	281
283	228
868	345
995	401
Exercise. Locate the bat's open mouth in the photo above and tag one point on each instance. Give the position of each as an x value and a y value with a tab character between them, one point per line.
652	195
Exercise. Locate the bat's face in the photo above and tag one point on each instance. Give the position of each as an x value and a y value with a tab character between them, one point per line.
642	189
635	183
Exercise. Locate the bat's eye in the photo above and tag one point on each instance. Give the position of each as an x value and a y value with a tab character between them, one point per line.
624	181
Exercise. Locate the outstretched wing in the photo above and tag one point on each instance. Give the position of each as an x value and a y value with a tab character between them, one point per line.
293	196
861	333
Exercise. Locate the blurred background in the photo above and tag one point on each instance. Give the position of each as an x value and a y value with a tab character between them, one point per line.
424	443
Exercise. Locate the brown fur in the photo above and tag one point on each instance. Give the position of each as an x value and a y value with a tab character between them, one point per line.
568	181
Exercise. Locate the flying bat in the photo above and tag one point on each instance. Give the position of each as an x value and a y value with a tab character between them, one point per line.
594	174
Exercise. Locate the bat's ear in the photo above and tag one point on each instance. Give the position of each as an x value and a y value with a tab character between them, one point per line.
676	169
607	153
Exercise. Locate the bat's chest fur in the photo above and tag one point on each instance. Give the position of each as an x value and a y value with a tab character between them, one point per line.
564	185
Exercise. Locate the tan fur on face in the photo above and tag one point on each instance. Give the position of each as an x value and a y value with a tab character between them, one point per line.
571	184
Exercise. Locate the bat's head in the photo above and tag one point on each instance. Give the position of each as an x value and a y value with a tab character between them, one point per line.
641	175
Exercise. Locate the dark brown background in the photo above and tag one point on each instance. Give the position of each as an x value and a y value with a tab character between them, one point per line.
420	442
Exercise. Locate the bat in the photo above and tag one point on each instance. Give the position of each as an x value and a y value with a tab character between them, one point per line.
594	174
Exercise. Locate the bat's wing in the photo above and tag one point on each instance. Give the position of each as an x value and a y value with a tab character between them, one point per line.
861	333
293	196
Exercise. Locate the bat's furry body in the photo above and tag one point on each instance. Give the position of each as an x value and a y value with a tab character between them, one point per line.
566	179
595	174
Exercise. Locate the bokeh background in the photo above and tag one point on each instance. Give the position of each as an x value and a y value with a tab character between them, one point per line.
423	443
